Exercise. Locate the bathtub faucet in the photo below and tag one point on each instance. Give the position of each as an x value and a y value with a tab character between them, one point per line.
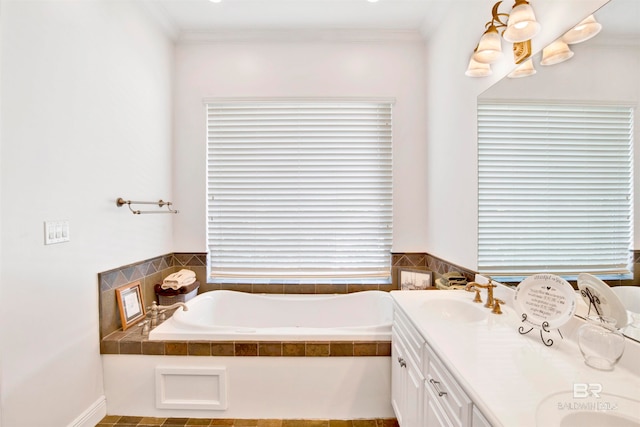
155	309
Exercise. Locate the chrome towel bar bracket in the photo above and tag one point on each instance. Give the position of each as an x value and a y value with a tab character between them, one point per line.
161	203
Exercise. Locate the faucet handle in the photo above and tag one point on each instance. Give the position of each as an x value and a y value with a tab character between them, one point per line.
145	328
496	306
477	298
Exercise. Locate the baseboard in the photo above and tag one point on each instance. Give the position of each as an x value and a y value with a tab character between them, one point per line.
92	415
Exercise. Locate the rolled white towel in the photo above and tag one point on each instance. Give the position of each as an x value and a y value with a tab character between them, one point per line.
177	280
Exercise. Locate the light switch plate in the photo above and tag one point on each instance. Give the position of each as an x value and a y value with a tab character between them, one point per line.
56	232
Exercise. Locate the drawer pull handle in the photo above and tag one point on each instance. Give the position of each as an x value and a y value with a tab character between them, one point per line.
436	385
402	363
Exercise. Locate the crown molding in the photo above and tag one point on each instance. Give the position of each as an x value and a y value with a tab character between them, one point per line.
160	16
295	35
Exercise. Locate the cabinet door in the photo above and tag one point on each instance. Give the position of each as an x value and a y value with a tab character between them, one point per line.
415	399
434	414
398	379
406	385
478	419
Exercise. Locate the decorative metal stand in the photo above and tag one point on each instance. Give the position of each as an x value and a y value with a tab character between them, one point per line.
594	301
545	329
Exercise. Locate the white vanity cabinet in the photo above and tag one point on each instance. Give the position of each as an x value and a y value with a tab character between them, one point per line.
424	393
445	400
407	380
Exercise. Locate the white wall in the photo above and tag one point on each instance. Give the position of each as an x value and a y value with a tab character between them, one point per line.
451	110
310	68
86	118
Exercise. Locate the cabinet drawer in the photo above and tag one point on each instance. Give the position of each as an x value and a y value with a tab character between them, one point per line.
412	339
452	398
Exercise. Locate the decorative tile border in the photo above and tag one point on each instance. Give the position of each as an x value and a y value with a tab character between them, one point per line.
134	343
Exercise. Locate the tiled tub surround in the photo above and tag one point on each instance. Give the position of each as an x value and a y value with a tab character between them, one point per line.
149	273
153	270
342	380
133	342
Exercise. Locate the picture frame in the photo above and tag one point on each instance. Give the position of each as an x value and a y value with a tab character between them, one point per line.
413	279
130	304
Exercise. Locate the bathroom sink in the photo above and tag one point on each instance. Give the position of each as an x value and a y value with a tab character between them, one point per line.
597	409
455	310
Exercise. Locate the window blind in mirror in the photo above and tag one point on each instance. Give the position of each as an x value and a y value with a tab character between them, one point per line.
555	186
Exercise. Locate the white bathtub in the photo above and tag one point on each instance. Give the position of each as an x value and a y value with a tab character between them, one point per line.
284	387
238	316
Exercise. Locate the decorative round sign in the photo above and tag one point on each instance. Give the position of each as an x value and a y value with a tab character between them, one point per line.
601	300
545	301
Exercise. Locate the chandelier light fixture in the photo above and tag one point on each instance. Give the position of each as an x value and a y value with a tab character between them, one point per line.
585	30
558	51
523	70
518	28
522	24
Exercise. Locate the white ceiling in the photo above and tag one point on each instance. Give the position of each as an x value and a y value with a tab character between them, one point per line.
187	17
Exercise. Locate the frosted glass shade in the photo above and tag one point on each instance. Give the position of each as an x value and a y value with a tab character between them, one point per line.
489	49
478	69
555	53
522	24
523	70
586	29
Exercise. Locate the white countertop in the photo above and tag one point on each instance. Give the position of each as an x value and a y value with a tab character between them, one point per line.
507	374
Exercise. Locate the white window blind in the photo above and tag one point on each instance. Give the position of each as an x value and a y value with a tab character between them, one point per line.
299	189
555	189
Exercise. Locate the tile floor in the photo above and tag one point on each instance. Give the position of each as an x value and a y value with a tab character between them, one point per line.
128	421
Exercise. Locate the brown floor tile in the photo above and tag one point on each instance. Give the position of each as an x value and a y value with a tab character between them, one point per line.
128	420
175	422
152	420
221	422
199	422
110	419
305	423
269	423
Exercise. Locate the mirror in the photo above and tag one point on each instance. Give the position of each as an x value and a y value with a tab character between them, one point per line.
603	69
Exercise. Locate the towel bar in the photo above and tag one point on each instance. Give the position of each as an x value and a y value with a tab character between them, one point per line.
160	204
